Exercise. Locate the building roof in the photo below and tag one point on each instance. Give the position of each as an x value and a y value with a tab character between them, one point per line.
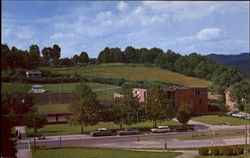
33	72
37	86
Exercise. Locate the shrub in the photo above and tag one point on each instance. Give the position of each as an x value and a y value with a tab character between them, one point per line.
238	150
204	151
227	151
215	151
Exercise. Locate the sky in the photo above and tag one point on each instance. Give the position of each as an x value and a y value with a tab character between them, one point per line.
204	27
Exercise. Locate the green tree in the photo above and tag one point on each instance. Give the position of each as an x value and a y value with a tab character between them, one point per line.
130	55
85	107
5	58
76	60
12	106
104	56
125	109
56	53
47	55
7	138
84	58
184	113
33	119
34	55
158	106
241	93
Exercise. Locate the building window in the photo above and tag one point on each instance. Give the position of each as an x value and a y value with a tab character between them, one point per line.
200	101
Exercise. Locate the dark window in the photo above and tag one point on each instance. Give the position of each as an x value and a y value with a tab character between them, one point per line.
200	101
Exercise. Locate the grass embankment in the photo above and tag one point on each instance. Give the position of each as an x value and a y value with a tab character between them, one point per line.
132	72
215	119
66	129
216	135
98	153
220	156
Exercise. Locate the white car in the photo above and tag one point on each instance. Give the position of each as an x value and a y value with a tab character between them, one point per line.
37	89
160	129
240	115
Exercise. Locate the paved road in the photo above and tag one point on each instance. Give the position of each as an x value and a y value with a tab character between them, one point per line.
147	140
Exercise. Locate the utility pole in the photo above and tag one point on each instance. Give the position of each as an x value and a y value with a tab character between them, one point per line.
137	126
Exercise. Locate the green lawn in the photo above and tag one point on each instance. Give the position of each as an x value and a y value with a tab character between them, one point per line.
53	108
66	129
98	153
98	88
132	72
65	87
214	119
204	136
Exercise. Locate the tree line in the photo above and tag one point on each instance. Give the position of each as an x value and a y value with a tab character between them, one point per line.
194	64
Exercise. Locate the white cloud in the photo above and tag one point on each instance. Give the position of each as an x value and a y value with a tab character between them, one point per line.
181	10
206	34
209	34
122	5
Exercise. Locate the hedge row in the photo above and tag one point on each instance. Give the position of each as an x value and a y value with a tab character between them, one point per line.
115	81
227	150
151	83
42	80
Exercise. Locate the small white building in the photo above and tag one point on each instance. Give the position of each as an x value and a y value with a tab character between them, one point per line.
33	73
37	89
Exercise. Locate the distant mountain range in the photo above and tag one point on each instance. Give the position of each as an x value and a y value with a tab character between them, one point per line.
241	61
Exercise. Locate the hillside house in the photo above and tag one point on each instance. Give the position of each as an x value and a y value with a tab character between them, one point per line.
197	97
33	74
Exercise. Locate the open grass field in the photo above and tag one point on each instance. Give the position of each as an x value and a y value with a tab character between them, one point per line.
66	129
63	87
132	72
98	88
205	136
214	119
98	153
53	108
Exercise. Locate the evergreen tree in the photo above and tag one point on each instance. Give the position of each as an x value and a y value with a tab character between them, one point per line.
85	107
158	106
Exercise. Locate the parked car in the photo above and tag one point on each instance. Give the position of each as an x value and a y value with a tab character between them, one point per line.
230	113
160	129
101	132
240	115
128	131
37	89
184	128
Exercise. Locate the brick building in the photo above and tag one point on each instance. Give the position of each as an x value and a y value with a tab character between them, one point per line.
197	97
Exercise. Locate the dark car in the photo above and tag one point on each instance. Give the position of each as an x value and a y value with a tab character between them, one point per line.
101	132
128	131
184	128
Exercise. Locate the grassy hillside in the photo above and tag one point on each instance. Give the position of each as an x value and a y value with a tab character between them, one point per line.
133	72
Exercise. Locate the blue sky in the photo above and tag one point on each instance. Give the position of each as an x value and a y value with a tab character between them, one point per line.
185	27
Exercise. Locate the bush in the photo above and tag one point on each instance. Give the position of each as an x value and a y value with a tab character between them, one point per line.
227	151
215	151
115	81
238	150
204	151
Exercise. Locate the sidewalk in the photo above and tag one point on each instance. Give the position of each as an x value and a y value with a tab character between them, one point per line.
23	153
